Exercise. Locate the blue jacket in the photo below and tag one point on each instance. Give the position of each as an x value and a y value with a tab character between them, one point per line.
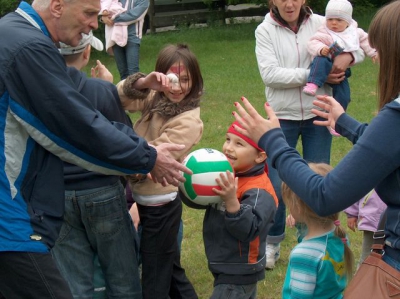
373	162
43	119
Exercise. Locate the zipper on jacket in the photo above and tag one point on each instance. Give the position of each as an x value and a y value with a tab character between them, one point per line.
298	65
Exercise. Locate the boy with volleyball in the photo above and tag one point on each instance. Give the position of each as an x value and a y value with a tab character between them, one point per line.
235	231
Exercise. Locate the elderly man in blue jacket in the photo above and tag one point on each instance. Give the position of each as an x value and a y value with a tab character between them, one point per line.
44	120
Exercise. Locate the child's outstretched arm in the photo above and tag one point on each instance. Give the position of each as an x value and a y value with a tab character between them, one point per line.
352	223
155	81
100	71
137	87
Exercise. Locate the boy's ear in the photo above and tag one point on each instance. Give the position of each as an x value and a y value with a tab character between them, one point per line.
261	157
86	52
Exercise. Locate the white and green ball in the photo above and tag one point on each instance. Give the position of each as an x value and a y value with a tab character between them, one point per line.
206	165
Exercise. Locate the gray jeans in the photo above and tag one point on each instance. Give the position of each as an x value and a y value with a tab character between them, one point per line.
234	291
97	222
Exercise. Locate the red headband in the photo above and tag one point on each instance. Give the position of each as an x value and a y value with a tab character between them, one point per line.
232	130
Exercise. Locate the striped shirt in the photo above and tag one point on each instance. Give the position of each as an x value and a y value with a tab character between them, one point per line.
316	269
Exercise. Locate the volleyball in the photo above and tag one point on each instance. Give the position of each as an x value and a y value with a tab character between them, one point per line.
206	165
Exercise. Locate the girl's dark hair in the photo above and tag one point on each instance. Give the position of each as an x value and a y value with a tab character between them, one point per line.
384	36
294	202
171	54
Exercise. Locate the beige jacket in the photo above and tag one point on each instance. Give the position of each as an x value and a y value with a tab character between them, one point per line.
185	128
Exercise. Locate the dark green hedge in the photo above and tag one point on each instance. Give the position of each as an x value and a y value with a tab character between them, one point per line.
360	6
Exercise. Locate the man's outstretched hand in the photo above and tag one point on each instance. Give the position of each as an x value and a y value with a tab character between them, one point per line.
167	170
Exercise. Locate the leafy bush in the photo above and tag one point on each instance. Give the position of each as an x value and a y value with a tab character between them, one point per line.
8	5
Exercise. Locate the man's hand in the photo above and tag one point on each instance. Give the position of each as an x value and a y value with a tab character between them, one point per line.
167	170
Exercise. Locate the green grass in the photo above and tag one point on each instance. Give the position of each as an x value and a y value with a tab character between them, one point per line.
228	63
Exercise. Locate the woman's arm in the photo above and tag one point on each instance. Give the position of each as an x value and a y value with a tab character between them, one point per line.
373	158
133	13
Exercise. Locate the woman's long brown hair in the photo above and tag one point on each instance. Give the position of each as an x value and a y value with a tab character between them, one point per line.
384	36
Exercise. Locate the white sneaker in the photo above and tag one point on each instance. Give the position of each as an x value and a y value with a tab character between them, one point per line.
272	254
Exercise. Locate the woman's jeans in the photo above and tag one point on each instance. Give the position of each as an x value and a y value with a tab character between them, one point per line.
316	144
127	59
97	221
320	68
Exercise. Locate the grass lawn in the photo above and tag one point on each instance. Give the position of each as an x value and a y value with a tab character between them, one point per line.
228	64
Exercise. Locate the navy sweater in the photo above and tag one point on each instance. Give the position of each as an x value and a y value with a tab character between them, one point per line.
373	162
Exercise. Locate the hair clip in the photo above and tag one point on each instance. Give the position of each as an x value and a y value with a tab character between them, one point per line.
336	222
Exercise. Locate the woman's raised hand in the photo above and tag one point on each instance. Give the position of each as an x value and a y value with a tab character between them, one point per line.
254	125
331	111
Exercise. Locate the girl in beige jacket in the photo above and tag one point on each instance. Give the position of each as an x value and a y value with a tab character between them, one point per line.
169	102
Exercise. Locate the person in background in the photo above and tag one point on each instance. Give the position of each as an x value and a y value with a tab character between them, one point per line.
365	215
167	115
322	263
114	34
97	226
46	120
126	50
234	231
374	160
283	62
339	34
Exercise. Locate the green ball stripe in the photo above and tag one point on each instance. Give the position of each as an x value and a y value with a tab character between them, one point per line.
187	185
202	167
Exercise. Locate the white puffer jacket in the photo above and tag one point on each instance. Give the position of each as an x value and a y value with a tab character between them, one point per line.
283	62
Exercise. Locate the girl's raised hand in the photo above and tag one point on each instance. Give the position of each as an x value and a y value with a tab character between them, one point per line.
156	81
331	111
254	125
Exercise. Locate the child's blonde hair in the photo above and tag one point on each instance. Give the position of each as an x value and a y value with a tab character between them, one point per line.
294	202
